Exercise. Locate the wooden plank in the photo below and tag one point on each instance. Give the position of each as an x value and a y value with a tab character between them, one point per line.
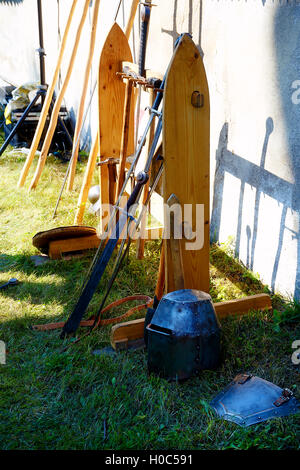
111	93
133	330
186	155
128	331
175	247
242	306
58	247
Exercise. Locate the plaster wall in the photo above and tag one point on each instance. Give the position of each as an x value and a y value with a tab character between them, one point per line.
251	53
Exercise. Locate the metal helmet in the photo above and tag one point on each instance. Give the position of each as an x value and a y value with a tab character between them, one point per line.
184	335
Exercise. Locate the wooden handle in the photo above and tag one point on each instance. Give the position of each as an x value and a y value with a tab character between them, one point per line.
132	14
56	109
87	181
83	96
125	137
176	255
140	244
47	102
160	284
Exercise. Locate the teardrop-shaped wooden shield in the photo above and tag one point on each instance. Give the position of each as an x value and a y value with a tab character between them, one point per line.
111	94
186	128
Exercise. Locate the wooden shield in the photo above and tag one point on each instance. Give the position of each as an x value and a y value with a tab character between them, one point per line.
111	93
186	126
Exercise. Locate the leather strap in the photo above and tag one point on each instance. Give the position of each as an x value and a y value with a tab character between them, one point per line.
90	322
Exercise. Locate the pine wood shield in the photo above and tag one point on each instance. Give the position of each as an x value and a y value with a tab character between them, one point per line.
111	91
186	128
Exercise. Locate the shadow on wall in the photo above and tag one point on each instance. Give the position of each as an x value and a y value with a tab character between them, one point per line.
174	33
11	2
287	45
264	182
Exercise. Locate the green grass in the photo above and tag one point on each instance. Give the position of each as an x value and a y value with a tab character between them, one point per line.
55	400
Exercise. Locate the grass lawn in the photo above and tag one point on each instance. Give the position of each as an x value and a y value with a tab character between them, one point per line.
76	400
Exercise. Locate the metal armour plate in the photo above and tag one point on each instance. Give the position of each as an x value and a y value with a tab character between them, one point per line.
250	400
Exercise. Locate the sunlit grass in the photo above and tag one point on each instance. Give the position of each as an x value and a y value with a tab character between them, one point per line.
51	399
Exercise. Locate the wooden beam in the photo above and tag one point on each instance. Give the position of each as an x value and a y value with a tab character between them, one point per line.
58	247
133	330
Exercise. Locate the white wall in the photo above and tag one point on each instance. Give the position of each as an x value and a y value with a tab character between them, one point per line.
251	54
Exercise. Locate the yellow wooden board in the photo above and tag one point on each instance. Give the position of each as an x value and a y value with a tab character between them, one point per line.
111	93
186	125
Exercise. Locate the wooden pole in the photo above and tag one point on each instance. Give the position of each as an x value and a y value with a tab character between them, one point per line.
48	99
132	14
125	136
83	96
57	106
87	181
140	244
160	284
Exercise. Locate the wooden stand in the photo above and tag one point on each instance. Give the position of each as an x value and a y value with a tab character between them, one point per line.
68	246
123	334
186	124
59	247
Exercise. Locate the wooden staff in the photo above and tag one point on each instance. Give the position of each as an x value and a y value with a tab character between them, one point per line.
87	181
125	136
47	103
83	96
132	14
140	244
160	283
81	204
57	106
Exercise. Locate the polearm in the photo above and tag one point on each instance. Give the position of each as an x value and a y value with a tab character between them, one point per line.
95	146
132	14
75	149
76	143
58	102
83	196
47	103
128	93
